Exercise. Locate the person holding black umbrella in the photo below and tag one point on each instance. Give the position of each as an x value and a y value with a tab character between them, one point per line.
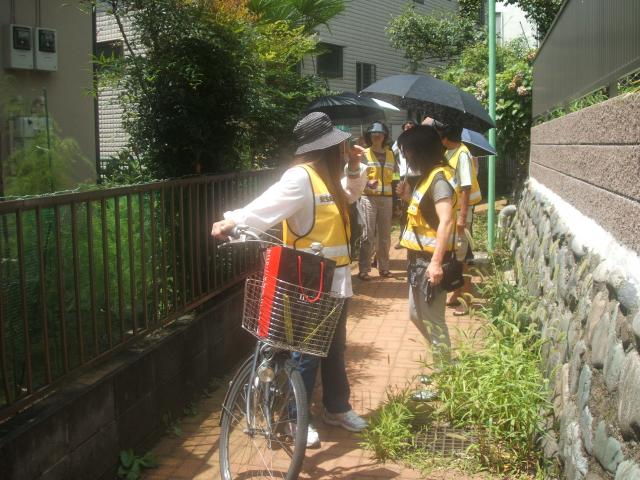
376	204
428	235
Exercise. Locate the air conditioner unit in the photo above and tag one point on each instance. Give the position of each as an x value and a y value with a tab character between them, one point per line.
18	47
28	127
46	49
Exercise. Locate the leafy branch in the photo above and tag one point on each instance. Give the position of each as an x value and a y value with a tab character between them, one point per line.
441	36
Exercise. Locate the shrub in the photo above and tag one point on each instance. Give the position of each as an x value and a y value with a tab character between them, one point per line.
499	392
208	87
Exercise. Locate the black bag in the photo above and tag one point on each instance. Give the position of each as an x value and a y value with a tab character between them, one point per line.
452	277
417	278
311	273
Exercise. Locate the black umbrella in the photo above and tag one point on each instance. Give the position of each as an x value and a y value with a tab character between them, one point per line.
437	98
348	108
477	144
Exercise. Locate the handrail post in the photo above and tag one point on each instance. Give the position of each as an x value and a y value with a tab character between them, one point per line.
492	133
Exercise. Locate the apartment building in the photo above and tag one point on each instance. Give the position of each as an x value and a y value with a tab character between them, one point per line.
358	51
46	47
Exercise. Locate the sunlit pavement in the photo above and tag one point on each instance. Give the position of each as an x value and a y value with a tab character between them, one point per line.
383	350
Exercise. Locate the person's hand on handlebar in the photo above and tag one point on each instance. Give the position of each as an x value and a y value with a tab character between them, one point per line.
222	229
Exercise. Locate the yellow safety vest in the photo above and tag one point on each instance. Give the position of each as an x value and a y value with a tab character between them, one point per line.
327	227
418	234
384	175
475	196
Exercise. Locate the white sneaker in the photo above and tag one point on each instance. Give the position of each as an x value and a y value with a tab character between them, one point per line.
313	439
349	420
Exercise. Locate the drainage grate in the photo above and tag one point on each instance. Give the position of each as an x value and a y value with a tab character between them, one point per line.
444	440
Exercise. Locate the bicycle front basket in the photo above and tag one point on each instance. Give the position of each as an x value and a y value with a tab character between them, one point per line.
289	317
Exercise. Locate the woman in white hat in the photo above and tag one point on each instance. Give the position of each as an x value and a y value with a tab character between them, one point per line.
318	174
376	204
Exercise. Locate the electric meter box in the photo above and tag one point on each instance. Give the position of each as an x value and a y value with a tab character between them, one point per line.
17	51
46	49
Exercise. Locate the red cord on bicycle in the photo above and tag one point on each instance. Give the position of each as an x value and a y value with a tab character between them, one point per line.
314	300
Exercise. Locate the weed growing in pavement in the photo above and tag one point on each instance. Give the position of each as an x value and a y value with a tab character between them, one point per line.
131	465
172	425
389	435
506	303
494	388
498	391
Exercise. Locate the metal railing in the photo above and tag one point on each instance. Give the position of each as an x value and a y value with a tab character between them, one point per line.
591	44
83	274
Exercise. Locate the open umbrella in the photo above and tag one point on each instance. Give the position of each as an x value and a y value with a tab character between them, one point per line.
385	105
348	108
477	144
436	98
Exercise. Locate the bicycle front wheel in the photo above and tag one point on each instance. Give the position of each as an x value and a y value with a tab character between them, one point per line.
260	422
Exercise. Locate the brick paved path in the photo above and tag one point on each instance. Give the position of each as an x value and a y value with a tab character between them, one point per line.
383	349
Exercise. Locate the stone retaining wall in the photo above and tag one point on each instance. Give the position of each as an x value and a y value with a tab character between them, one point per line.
589	316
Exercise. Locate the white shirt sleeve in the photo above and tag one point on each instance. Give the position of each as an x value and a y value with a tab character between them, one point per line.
463	171
282	200
353	187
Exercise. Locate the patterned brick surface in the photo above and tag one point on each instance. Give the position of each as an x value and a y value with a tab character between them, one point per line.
383	350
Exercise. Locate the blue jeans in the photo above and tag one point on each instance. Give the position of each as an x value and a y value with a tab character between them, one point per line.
335	385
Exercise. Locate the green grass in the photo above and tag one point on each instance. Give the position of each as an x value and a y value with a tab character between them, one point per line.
498	391
479	233
389	435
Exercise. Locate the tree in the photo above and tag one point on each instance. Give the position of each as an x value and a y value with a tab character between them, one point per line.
540	12
280	93
216	88
185	80
513	90
307	14
431	38
47	165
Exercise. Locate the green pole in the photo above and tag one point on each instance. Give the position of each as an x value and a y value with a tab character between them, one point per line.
492	133
46	122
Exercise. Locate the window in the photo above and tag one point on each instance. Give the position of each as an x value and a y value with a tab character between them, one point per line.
112	49
330	61
365	75
499	28
482	17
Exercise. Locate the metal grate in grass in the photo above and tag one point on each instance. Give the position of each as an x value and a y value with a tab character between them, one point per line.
444	440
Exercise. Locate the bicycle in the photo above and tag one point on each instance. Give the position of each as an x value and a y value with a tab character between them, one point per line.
264	417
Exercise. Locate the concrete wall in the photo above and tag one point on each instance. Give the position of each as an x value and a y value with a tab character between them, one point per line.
70	104
79	430
590	309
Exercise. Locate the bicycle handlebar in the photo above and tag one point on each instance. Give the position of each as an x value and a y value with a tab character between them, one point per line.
239	230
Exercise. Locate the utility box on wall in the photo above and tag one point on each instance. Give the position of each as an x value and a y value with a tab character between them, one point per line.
46	49
17	51
28	127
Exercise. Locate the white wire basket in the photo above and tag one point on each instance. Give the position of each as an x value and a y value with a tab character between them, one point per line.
288	317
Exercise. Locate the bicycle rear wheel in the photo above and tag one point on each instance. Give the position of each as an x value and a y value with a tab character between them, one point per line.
259	422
